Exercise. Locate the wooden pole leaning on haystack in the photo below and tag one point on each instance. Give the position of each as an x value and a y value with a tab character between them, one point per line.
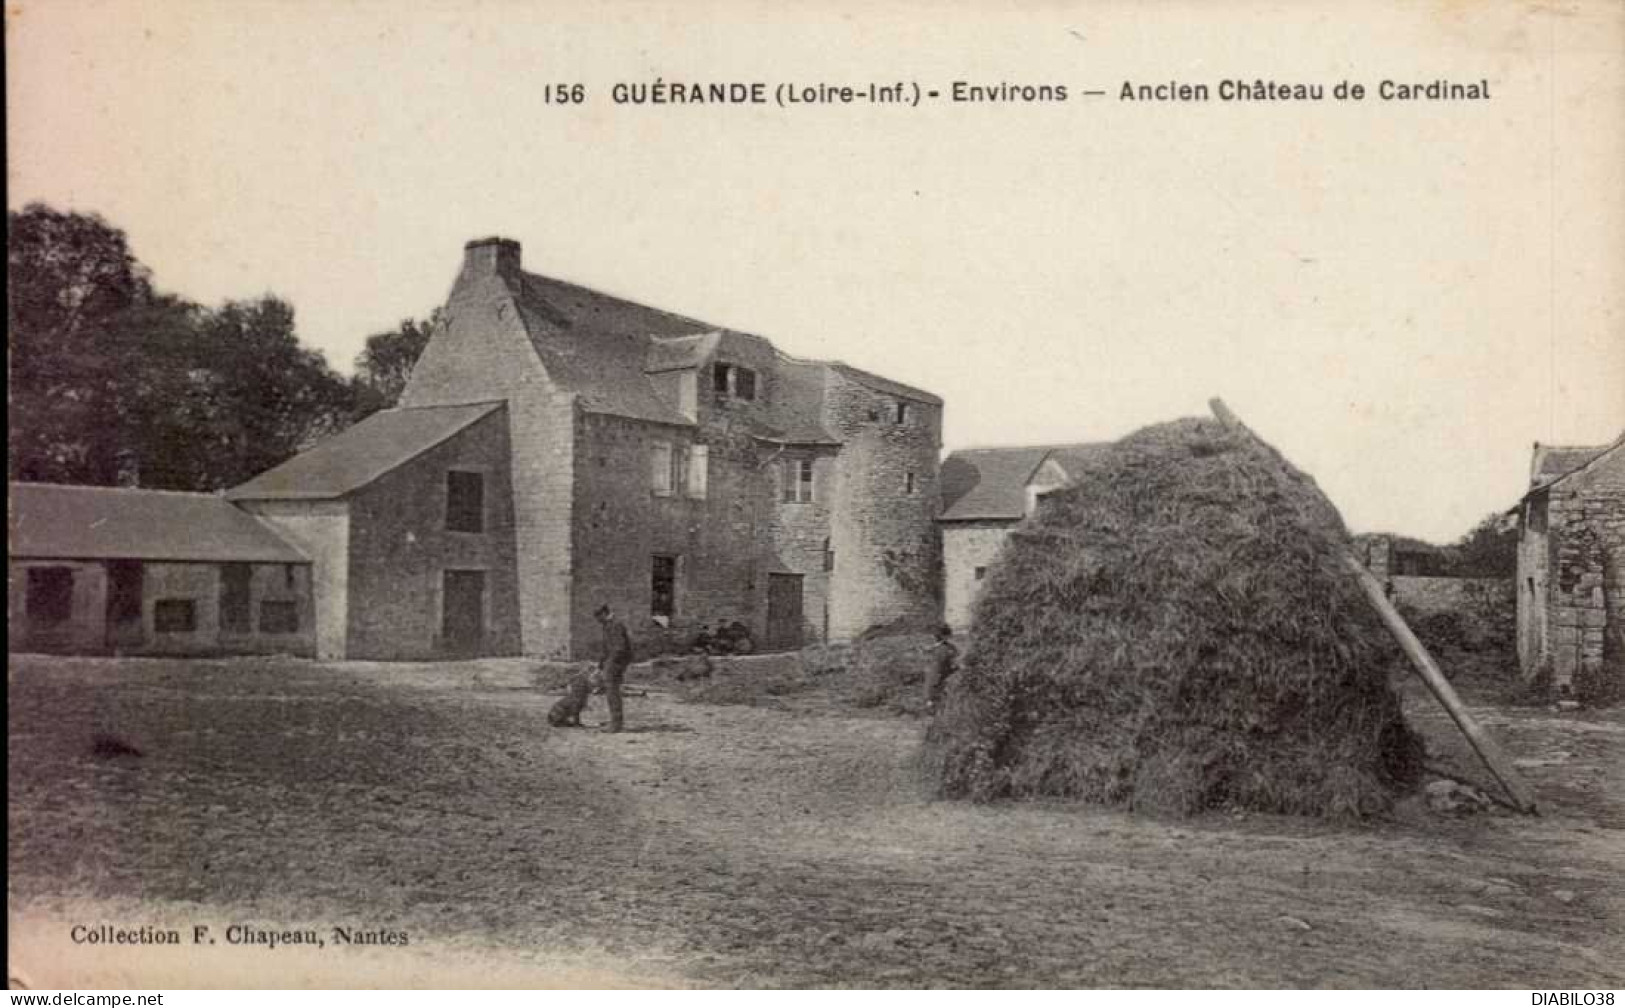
1494	759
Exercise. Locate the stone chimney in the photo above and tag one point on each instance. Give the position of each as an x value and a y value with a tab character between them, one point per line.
487	256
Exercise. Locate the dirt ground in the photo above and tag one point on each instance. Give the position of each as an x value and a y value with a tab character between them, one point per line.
734	845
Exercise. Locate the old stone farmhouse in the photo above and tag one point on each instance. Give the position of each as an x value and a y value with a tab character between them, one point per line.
557	448
986	492
99	569
1571	570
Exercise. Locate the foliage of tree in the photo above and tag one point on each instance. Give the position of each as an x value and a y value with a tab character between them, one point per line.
384	365
115	383
1490	549
71	321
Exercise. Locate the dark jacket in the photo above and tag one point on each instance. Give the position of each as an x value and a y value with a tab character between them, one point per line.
617	646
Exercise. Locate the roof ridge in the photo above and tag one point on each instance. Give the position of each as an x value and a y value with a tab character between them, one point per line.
114	489
1601	453
455	405
1031	447
929	397
622	298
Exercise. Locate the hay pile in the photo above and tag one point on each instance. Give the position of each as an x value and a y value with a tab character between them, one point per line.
1174	633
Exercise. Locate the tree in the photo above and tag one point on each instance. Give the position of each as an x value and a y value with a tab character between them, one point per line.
113	382
252	397
1489	550
72	332
383	367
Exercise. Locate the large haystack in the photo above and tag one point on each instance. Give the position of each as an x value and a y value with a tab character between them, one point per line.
1177	632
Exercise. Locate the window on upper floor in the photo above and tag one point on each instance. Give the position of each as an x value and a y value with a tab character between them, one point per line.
900	412
981	572
465	501
730	381
661	469
798	481
909	484
699	464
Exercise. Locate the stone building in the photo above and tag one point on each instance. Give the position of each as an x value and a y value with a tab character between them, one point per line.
986	492
112	570
1571	571
557	448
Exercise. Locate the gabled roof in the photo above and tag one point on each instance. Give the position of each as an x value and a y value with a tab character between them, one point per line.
877	383
354	457
603	349
50	521
1074	457
991	483
595	346
982	483
1551	464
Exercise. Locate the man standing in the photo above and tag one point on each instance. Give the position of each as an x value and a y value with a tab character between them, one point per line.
944	663
612	661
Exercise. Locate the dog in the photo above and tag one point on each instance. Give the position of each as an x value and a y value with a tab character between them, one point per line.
566	713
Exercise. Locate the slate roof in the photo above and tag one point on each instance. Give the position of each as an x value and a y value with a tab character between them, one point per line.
603	348
870	380
1555	463
116	523
354	457
1074	457
988	482
675	352
991	483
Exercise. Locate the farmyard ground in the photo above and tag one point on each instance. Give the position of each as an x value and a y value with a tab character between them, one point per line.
740	845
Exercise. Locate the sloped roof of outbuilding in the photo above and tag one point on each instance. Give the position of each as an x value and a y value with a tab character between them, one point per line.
988	483
52	521
354	457
991	483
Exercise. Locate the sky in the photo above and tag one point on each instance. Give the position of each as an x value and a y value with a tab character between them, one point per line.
1401	296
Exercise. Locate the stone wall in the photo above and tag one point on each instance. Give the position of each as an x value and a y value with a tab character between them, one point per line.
482	353
719	540
966	547
85	630
321	531
400	550
800	532
1534	572
1586	589
887	553
1483	609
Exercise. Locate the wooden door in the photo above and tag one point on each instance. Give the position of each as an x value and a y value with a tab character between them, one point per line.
783	612
462	616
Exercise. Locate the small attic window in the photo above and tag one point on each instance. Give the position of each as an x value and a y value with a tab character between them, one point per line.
733	382
900	412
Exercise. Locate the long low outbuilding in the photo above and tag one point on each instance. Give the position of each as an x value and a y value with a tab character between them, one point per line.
127	571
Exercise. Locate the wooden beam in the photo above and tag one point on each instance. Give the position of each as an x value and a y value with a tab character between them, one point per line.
1494	759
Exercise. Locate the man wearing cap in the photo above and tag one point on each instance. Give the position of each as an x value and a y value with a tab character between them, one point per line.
612	661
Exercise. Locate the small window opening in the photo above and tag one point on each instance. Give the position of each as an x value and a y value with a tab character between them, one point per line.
465	502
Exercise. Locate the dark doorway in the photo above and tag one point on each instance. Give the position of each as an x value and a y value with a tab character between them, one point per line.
124	578
462	618
236	592
783	612
663	587
50	596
